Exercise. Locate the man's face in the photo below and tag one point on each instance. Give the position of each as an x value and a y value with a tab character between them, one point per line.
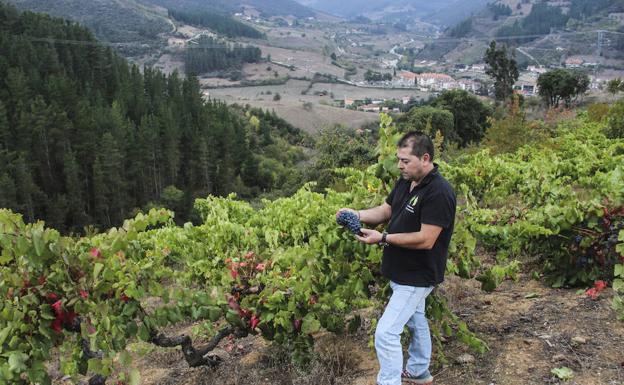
412	167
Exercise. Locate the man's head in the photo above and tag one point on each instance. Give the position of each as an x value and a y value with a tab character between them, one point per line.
415	155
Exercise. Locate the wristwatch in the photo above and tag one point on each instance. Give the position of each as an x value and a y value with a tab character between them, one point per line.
383	239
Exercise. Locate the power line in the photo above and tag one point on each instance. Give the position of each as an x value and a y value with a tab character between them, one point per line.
191	44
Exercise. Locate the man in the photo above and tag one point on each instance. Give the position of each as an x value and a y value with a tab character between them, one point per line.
421	214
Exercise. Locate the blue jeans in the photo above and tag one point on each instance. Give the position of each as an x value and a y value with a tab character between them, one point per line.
406	307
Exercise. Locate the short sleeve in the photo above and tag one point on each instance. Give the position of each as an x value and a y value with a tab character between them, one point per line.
390	197
439	210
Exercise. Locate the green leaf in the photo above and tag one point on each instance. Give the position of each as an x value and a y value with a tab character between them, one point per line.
532	295
17	362
310	324
619	271
563	373
135	377
95	365
144	333
96	270
4	334
125	359
38	242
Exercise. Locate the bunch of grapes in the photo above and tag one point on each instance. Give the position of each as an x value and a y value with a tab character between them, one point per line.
349	220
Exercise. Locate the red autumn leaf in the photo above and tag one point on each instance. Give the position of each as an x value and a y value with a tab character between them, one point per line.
297	324
254	321
52	297
42	280
249	255
233	304
600	285
592	293
57	325
243	264
84	294
261	266
95	253
56	306
244	313
124	297
313	299
233	273
69	317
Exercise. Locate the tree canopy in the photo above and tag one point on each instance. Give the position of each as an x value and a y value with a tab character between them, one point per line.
87	139
561	84
470	115
501	66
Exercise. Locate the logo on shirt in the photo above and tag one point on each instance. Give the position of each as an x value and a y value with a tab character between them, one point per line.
411	204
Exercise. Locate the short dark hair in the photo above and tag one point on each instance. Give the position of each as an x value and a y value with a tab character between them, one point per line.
419	142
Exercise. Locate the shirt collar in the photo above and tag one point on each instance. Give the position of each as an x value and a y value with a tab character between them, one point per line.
429	177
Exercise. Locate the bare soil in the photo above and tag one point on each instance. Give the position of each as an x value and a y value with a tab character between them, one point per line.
529	328
319	112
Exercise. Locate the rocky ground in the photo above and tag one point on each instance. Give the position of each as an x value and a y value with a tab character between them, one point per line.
530	329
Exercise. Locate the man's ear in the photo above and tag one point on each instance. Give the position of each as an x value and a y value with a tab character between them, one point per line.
426	157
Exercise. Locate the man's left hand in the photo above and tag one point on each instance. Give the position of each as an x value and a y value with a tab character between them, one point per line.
369	236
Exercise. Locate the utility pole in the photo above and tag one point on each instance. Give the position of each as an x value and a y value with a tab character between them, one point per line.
600	42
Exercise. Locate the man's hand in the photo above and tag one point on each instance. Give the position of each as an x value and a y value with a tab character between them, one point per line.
369	236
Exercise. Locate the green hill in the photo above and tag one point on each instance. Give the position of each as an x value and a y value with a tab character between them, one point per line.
549	32
132	27
265	7
87	139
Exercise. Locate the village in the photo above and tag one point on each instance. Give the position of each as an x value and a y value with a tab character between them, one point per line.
469	78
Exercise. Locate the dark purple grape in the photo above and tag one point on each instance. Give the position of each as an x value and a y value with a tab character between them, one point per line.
578	239
350	221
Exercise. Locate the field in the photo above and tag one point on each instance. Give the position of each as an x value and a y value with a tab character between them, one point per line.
312	117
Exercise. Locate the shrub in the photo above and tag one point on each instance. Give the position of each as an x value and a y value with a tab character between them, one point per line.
615	120
597	112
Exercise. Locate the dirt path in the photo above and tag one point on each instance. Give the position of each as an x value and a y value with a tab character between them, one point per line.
530	329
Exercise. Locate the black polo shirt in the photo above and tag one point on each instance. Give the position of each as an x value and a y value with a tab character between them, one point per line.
431	202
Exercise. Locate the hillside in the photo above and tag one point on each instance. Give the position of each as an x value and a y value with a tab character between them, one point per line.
545	33
112	139
266	8
279	294
132	27
444	12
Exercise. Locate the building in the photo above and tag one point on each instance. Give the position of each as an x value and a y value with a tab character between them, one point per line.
573	62
406	78
468	85
617	16
537	69
370	108
435	81
480	67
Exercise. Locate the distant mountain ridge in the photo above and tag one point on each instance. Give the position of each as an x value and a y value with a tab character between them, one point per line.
442	12
114	21
136	27
265	7
545	33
